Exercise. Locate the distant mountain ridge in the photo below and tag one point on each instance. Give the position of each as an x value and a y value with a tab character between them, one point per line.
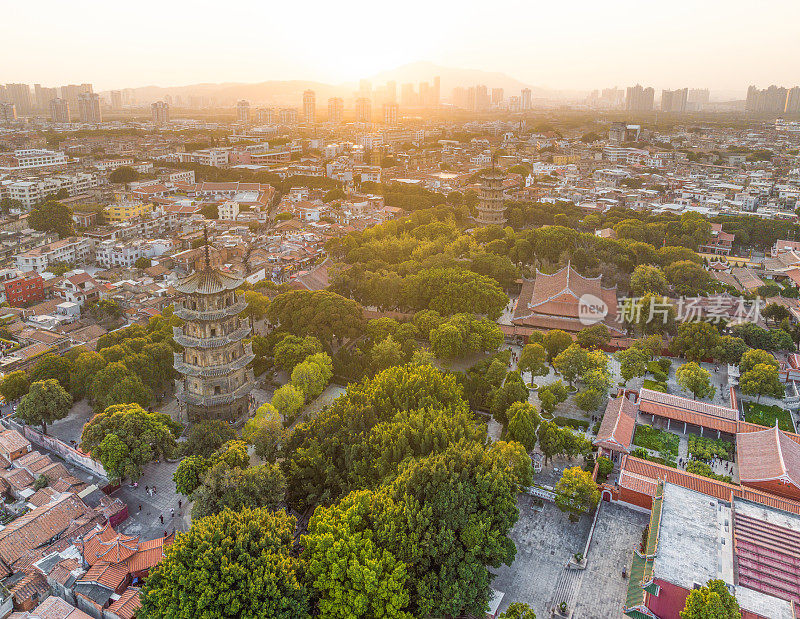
290	92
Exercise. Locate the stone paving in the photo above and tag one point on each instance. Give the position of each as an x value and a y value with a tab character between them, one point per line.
545	540
602	590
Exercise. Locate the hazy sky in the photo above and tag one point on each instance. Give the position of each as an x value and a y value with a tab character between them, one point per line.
579	44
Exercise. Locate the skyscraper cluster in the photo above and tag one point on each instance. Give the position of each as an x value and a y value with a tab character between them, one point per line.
674	100
775	100
639	98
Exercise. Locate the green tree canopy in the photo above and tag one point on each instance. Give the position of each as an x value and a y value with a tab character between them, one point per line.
713	600
576	491
14	385
126	437
233	564
52	216
45	402
694	379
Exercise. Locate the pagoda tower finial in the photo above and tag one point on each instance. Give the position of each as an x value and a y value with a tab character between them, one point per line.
205	237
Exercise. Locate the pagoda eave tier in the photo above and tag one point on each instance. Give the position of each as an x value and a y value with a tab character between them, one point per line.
208	281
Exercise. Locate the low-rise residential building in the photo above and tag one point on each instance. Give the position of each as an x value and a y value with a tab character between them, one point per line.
127	210
72	250
24	290
32	158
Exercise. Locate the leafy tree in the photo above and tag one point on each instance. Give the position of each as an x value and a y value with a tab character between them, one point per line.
52	216
576	491
463	334
753	335
458	507
323	314
84	369
604	467
513	390
590	399
233	564
267	433
189	474
45	402
312	375
288	400
762	379
533	359
292	350
522	425
651	345
691	377
632	362
518	610
205	437
350	533
648	279
257	306
571	362
14	385
732	349
696	341
754	357
426	321
595	336
555	342
236	488
650	314
123	174
379	329
143	263
126	437
452	291
689	278
552	395
385	354
116	384
711	601
781	340
52	366
513	458
775	312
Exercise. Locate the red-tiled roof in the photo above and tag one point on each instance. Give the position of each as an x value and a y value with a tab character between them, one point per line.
127	605
110	575
649	473
11	441
39	526
618	425
768	455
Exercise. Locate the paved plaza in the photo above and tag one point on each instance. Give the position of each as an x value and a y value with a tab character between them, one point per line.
545	540
602	589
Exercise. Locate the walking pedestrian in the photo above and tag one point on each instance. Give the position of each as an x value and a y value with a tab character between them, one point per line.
171	513
154	489
147	489
179	503
140	507
161	518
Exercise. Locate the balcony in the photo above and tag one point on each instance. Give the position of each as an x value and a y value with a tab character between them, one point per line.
209	342
196	315
220	399
211	371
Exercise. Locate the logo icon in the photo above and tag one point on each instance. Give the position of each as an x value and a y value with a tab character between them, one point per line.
591	309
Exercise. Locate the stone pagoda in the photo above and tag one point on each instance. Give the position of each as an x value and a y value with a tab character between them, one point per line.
491	205
216	378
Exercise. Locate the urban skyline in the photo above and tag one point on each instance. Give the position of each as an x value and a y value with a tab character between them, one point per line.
578	47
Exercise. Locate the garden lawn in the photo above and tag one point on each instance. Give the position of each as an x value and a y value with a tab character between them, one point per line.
765	415
656	440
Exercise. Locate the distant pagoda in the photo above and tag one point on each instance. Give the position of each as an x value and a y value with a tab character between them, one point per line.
491	205
216	378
